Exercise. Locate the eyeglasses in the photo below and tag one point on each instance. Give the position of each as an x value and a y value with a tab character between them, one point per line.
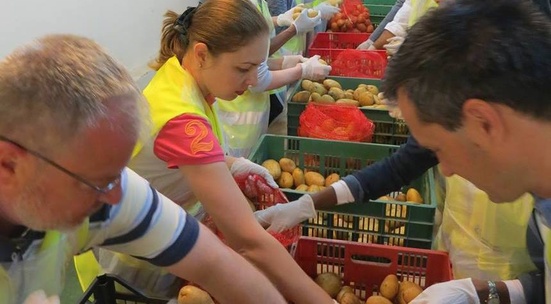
102	190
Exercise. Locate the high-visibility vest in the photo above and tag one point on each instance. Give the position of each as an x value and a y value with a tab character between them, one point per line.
172	92
43	269
418	9
485	240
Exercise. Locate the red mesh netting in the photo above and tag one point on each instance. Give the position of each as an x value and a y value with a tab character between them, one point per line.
359	63
256	189
334	121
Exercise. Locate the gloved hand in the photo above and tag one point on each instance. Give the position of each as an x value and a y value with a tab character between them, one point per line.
304	24
286	19
291	61
40	297
393	45
326	10
284	216
366	45
312	69
455	291
243	167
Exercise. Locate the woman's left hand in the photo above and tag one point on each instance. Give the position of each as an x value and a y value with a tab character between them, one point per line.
242	167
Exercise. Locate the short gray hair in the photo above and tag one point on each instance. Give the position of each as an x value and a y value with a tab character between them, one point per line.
60	85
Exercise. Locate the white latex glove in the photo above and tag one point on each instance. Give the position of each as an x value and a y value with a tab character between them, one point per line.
393	45
312	69
291	61
304	24
284	216
326	10
40	297
286	19
451	292
366	45
244	167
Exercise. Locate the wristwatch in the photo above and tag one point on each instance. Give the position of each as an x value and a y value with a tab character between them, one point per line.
493	296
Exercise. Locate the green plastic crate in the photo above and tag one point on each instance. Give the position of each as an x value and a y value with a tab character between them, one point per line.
378	10
380	2
388	130
361	222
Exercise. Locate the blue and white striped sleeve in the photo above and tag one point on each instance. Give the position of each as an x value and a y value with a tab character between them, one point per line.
147	225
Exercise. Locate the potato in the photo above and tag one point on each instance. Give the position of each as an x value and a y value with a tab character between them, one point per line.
326	98
318	88
298	177
322	61
330	83
401	197
313	188
314	178
273	167
389	287
348	94
336	93
405	285
350	298
331	178
377	300
312	13
366	99
306	84
343	290
193	295
359	91
287	164
295	15
372	89
350	102
302	96
411	293
315	97
412	195
285	180
329	282
302	187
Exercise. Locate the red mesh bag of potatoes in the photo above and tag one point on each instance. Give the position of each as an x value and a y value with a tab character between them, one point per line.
335	121
359	64
354	17
262	196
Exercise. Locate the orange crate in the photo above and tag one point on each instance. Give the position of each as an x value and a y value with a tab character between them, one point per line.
364	266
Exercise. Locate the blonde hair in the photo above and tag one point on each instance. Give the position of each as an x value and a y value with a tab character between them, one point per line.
59	85
223	25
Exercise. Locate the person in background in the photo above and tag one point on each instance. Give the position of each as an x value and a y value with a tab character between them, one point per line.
244	119
480	99
389	21
182	155
70	116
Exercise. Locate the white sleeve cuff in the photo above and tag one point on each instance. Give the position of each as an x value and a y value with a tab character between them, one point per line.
264	78
516	292
343	192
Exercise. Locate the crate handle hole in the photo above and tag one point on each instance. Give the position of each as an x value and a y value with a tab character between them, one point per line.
371	260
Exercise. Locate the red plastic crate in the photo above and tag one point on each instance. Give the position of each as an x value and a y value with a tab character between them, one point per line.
364	266
336	40
359	64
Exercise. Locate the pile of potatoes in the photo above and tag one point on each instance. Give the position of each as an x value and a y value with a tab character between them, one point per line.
393	291
287	175
368	225
331	91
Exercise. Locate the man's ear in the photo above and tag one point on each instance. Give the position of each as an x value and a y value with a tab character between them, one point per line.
11	159
483	122
201	52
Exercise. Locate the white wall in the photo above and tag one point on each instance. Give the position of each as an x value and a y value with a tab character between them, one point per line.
128	29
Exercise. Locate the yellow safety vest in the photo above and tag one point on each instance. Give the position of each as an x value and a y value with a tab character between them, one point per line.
173	92
419	8
485	240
